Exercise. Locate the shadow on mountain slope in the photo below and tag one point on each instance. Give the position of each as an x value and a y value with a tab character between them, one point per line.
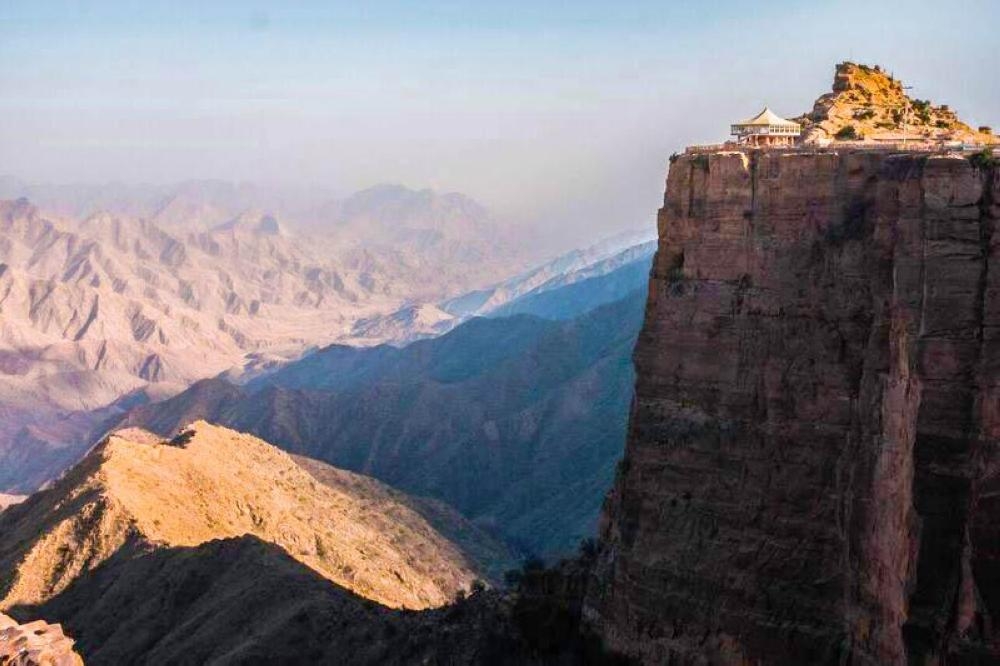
516	422
243	600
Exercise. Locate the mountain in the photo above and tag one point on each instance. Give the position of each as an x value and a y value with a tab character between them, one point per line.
579	291
101	313
516	422
567	268
603	273
135	494
425	239
94	311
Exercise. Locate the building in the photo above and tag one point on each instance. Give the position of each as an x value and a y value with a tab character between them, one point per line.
766	129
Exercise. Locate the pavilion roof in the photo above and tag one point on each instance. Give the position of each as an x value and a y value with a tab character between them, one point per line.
767	117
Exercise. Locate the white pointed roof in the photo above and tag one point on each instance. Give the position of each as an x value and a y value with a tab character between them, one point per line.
767	117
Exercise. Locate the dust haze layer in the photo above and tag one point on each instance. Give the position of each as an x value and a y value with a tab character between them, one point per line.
100	313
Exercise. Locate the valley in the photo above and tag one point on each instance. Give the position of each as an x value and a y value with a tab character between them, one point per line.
254	424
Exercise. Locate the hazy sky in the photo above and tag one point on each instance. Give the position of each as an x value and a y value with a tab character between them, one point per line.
554	113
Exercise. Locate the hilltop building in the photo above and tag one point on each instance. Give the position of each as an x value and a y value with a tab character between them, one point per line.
766	129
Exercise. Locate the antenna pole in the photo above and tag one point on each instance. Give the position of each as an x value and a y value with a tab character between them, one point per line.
906	111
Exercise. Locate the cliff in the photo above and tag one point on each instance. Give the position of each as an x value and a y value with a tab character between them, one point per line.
812	471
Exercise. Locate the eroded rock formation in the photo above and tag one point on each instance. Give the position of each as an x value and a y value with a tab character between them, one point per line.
812	472
35	643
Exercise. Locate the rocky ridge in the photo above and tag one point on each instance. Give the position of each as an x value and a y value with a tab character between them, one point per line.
10	500
135	494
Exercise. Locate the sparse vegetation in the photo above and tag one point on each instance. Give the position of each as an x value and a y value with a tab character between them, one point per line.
985	129
984	159
546	613
847	133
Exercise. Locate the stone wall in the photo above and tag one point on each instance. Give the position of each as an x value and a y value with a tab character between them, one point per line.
812	471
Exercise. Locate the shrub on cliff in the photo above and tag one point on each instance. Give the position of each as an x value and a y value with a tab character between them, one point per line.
984	159
847	133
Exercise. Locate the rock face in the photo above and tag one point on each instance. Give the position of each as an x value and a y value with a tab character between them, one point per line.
812	473
35	644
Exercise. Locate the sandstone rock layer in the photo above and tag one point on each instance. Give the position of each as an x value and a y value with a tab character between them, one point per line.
35	644
812	472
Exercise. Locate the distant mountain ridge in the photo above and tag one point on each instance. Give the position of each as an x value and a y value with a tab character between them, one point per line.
114	309
603	273
517	422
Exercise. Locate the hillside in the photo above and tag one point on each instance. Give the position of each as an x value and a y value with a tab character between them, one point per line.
135	494
868	103
242	600
516	422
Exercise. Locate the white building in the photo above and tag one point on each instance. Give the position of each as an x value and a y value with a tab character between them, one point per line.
766	129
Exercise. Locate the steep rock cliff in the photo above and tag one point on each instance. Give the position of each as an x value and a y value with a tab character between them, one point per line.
812	472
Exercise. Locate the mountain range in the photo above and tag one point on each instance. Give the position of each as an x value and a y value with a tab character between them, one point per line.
102	312
515	421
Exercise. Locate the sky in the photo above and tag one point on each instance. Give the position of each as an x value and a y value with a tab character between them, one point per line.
558	115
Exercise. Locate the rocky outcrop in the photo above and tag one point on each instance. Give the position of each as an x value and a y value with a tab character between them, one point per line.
867	103
35	643
812	472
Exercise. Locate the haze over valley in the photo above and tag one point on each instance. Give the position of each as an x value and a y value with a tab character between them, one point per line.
499	334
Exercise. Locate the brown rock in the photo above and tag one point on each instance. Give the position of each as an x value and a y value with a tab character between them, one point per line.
812	472
35	643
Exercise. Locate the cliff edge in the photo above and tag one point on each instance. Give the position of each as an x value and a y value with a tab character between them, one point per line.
812	473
